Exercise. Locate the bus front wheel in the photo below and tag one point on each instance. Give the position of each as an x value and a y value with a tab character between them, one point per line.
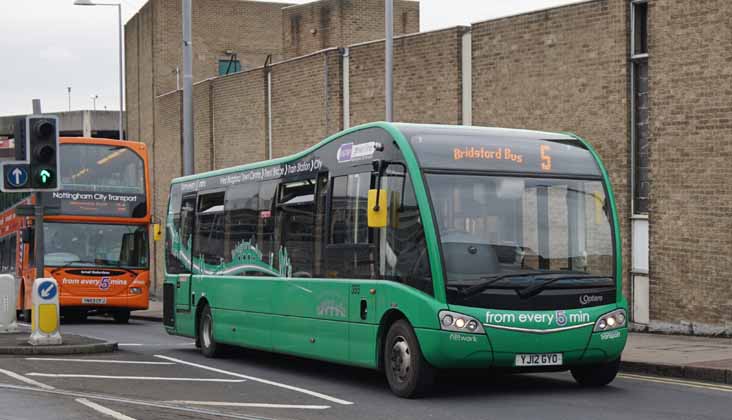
408	373
121	317
209	346
596	375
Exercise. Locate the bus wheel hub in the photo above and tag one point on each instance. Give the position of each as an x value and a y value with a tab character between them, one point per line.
400	359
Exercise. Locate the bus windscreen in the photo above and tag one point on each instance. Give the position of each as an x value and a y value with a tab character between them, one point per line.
95	245
502	234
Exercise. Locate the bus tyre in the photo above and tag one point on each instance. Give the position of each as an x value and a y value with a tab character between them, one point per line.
26	314
121	317
596	375
408	373
209	346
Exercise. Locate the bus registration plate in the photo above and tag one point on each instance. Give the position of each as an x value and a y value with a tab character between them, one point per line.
94	301
545	359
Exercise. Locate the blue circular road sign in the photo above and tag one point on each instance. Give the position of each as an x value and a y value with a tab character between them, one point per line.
17	176
47	290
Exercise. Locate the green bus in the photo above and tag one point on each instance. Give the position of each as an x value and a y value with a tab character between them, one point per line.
406	248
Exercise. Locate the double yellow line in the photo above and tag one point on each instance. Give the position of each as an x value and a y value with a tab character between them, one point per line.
680	382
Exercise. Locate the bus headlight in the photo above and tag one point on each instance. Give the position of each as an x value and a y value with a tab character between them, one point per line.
135	290
610	321
453	321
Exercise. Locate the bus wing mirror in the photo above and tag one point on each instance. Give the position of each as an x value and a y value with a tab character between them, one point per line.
157	232
377	208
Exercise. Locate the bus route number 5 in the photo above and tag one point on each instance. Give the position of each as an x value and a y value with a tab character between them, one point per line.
546	160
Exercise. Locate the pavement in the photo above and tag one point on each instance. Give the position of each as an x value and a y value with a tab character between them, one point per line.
154	312
678	356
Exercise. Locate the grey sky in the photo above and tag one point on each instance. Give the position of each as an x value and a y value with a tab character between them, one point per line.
48	45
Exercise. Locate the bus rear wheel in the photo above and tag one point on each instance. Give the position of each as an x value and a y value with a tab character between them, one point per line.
596	375
209	346
408	373
121	317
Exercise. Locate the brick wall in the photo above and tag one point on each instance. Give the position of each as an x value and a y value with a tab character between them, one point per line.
238	118
132	78
251	29
302	112
336	23
561	69
427	79
166	165
202	127
690	67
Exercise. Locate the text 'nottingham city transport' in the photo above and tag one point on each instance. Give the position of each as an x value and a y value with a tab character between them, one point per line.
407	248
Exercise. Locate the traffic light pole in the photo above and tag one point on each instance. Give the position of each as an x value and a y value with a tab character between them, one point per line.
38	222
38	226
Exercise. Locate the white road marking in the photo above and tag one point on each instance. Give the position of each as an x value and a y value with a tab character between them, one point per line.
102	409
131	401
257	405
135	378
264	381
154	344
124	362
670	381
26	380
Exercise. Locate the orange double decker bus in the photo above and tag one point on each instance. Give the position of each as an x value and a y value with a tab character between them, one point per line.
95	231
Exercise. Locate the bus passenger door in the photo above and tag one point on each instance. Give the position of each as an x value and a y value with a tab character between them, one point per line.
183	281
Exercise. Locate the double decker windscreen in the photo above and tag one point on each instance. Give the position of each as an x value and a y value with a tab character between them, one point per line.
100	180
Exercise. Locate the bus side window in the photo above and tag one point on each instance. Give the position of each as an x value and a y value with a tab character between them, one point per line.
4	254
406	257
351	250
266	224
13	252
173	240
208	239
296	225
242	252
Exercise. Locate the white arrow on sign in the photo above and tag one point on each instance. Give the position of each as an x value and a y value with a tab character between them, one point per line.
47	291
17	173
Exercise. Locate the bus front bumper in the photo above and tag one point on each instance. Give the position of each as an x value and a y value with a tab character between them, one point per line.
129	301
498	348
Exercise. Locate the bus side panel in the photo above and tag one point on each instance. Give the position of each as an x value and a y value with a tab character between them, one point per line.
241	307
312	318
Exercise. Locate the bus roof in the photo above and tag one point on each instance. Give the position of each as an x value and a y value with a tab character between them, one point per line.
404	128
135	145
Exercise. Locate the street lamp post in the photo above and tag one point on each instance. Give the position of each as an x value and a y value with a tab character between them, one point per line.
121	71
94	108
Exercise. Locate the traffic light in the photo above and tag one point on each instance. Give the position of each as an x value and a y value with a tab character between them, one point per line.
43	152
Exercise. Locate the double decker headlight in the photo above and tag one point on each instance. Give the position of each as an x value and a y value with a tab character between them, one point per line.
611	321
453	321
136	290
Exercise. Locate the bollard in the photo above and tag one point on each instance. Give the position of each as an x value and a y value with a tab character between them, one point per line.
8	298
46	316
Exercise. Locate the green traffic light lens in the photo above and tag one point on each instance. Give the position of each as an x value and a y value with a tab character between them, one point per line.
44	177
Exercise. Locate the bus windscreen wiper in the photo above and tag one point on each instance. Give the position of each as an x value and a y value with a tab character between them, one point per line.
535	289
490	280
